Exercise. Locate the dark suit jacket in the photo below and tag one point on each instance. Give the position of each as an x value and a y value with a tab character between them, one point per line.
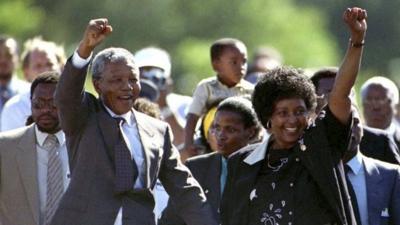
383	191
206	169
377	144
91	134
321	161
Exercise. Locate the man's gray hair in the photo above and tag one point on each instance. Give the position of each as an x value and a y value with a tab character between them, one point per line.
384	82
111	55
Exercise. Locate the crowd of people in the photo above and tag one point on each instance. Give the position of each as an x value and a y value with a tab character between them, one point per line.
258	144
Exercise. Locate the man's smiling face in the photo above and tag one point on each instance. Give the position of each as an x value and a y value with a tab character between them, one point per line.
118	86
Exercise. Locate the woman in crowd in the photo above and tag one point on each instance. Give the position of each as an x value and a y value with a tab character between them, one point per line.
205	141
235	125
296	176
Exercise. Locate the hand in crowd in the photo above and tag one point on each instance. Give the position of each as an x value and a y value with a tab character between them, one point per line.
355	18
96	31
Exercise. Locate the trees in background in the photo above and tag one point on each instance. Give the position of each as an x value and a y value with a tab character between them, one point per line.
20	18
187	28
382	51
307	32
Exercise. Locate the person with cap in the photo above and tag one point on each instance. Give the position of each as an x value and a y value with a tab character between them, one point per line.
265	58
155	65
149	91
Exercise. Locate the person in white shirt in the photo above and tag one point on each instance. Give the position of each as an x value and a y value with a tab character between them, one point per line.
38	56
155	66
34	161
10	84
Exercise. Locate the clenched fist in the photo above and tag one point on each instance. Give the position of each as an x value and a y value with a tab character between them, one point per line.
355	19
95	32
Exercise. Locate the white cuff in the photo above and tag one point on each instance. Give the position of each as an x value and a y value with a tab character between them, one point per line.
78	61
166	112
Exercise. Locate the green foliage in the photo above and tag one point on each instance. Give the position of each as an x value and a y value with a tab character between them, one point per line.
193	55
308	33
382	50
187	29
297	32
19	18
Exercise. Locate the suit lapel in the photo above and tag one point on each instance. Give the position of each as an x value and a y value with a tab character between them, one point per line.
245	186
373	182
108	129
151	151
27	164
396	136
212	180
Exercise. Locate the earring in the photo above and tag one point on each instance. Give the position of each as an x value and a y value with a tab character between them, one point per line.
268	124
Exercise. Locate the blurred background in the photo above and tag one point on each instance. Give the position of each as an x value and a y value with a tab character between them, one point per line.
307	33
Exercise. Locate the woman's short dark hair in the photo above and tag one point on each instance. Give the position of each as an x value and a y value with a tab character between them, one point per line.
278	84
243	107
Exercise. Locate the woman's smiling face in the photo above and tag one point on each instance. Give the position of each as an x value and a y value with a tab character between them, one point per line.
288	121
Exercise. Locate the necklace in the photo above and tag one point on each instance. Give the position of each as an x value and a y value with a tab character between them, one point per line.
278	167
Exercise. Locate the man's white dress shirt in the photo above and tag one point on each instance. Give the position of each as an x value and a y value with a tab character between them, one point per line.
357	179
42	159
16	86
16	111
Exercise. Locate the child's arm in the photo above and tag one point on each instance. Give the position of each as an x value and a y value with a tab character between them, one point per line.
200	96
188	149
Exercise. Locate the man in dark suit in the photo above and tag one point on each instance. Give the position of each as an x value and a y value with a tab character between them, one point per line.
235	125
376	184
116	153
375	143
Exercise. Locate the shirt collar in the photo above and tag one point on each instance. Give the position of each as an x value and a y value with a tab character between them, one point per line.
12	83
128	117
15	85
240	84
257	154
224	161
392	128
355	163
41	136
